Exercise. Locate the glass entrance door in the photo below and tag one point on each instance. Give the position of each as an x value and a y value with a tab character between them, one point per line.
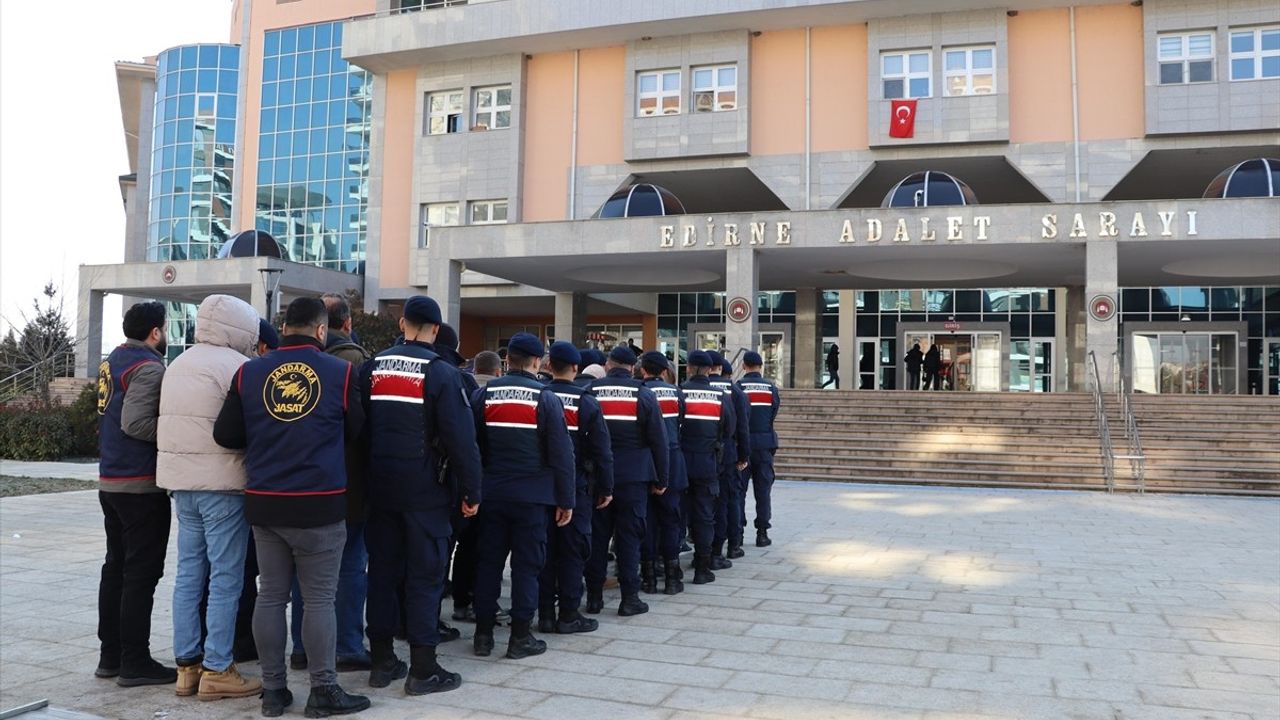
1194	363
772	346
868	364
773	342
1271	363
1031	365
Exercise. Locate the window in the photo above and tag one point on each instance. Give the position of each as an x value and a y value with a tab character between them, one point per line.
658	93
1186	58
493	108
1255	53
970	71
906	75
715	88
488	212
435	215
444	112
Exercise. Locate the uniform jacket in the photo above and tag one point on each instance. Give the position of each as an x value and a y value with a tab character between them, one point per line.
194	388
671	403
128	404
738	444
592	452
636	430
708	417
764	400
524	442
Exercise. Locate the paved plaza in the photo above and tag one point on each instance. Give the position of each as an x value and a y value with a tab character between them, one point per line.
875	603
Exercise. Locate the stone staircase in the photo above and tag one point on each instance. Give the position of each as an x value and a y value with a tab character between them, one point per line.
1221	444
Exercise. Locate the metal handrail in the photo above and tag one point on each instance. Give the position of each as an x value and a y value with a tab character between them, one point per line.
1104	426
29	379
1136	457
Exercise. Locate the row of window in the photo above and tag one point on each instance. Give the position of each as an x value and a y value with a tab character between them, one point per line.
714	89
490	110
1189	57
479	212
966	71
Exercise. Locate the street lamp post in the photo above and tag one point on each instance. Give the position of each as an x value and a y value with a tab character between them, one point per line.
270	282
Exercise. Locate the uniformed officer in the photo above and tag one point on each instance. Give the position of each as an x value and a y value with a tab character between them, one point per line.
589	357
708	415
764	398
737	451
528	469
639	442
569	547
418	417
660	553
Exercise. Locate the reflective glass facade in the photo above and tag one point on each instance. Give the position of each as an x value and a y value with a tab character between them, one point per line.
313	148
193	152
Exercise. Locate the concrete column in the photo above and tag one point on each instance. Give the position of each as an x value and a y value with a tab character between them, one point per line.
571	317
444	285
808	337
1076	345
741	280
373	236
1101	278
88	331
848	340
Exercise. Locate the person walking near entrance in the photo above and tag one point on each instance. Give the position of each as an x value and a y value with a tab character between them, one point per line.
707	422
914	359
207	482
528	475
660	553
833	367
764	398
135	512
932	368
729	511
291	411
569	547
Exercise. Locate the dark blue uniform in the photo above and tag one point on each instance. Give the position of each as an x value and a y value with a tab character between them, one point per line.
640	458
737	448
764	399
418	418
569	547
663	531
708	420
528	470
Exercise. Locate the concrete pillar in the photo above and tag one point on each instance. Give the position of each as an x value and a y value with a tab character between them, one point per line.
444	285
1101	279
808	337
1073	313
848	339
88	330
571	317
741	280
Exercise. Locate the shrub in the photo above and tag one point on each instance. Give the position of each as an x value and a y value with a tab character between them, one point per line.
35	433
83	416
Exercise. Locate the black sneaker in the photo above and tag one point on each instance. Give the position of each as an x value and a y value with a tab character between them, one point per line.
151	674
735	552
632	605
275	701
439	681
576	624
482	643
298	661
106	671
523	647
447	632
719	562
464	614
381	674
353	663
332	700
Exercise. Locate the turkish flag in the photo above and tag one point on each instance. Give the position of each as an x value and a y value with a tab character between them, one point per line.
902	119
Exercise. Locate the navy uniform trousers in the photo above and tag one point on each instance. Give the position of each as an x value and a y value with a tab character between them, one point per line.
761	470
702	495
403	551
665	522
568	548
624	521
728	510
518	529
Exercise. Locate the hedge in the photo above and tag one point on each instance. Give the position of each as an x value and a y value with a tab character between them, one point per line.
51	433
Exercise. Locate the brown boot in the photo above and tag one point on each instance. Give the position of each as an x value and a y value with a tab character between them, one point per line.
188	680
229	683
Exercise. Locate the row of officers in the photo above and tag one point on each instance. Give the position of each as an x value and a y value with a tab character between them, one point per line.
544	465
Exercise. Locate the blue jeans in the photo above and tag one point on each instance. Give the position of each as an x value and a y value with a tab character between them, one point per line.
353	588
212	538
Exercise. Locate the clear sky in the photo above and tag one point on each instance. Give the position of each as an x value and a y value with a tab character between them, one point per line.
62	145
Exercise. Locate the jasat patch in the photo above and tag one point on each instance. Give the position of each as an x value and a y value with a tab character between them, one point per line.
291	392
105	386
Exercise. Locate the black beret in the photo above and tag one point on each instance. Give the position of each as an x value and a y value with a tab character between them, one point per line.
447	337
592	356
622	355
699	358
752	358
654	357
726	367
565	352
422	310
268	334
716	358
526	344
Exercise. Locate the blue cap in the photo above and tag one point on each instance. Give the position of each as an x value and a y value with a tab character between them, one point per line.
565	352
422	310
752	358
726	367
716	358
268	334
591	356
622	355
699	358
526	344
654	357
447	337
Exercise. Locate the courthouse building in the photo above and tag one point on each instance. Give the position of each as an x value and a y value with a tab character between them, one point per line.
1019	183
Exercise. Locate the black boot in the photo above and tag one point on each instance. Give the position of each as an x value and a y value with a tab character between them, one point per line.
702	569
632	605
736	551
572	622
674	574
275	701
595	600
718	560
522	643
386	666
547	619
332	700
149	673
762	538
648	576
426	676
483	641
447	632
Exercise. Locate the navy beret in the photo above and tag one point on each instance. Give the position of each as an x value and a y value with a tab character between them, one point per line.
565	352
716	358
622	355
752	358
526	344
447	337
592	356
699	358
422	310
267	334
726	367
654	357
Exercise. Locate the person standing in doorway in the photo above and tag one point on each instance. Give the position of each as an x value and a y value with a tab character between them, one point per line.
914	359
932	368
833	367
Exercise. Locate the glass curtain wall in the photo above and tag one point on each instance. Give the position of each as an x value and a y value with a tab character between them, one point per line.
313	151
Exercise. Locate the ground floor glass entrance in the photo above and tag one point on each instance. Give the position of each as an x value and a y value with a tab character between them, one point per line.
1192	363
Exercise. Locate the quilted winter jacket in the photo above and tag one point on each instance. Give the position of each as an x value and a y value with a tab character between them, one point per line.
194	388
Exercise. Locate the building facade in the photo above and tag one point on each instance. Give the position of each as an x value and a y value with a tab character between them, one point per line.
471	150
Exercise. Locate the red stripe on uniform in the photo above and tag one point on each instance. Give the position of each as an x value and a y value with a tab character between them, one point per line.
701	409
760	397
669	405
571	418
397	385
618	408
505	412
